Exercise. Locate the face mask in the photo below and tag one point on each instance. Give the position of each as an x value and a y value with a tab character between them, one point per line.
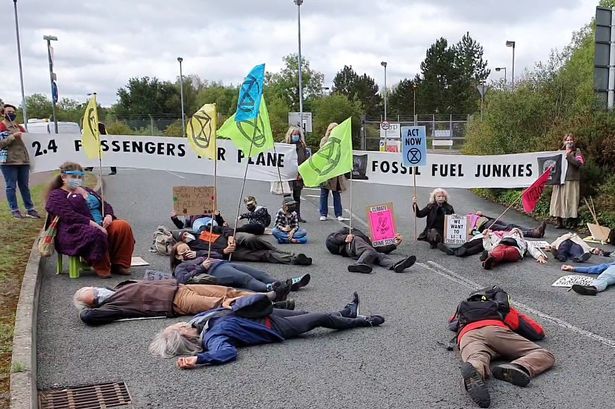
290	209
569	145
295	138
11	116
102	294
74	183
251	208
189	237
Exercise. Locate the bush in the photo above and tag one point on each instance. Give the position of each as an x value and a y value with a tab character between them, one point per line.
119	128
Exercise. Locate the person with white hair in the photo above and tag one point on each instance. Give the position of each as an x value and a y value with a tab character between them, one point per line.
212	337
435	211
160	298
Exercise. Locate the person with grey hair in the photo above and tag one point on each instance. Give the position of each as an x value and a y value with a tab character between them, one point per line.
161	298
435	211
212	337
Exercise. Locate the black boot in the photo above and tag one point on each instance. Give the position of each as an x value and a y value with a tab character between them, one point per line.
560	223
298	210
572	223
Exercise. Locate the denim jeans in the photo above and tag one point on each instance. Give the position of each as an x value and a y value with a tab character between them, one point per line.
324	202
242	276
282	236
17	175
605	279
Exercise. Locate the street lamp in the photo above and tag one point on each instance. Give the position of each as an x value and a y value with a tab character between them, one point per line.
52	79
299	3
414	102
384	64
512	77
23	95
498	69
181	94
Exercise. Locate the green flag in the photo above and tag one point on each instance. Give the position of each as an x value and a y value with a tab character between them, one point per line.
243	134
333	159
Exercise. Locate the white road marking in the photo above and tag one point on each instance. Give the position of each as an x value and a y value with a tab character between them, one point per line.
175	174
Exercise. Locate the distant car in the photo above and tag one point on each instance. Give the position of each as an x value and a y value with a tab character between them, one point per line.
41	126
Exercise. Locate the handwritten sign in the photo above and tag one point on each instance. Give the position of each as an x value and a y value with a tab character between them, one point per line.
193	200
570	280
381	219
455	229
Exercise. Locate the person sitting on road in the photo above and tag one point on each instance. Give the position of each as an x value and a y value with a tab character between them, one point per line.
197	222
605	279
160	298
212	337
258	217
571	246
87	225
188	268
286	229
436	209
242	246
359	247
488	328
510	246
480	223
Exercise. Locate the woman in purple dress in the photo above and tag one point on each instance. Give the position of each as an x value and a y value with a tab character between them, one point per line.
88	227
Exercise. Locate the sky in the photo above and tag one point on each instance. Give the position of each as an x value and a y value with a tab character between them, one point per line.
102	44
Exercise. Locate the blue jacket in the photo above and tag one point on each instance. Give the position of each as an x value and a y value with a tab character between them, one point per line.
223	331
597	269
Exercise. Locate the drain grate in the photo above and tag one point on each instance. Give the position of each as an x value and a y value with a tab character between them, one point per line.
101	396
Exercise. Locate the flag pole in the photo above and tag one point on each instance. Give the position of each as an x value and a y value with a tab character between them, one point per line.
413	211
351	179
211	225
509	206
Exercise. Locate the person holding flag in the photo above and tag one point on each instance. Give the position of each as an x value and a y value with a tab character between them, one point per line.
336	184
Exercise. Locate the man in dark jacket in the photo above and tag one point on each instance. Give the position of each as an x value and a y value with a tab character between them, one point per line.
258	217
359	247
489	328
162	298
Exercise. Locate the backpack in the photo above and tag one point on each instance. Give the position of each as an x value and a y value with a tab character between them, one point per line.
163	241
490	303
267	218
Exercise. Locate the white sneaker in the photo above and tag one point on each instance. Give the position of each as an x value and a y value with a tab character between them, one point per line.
342	219
323	218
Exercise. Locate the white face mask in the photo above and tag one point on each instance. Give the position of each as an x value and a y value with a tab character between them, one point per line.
188	237
74	183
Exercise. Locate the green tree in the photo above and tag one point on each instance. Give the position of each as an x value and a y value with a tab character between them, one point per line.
471	70
285	84
401	98
334	108
38	106
361	88
225	98
438	76
144	96
118	128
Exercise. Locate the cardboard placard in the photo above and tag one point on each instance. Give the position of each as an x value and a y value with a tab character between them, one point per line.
599	233
570	280
193	200
455	229
381	220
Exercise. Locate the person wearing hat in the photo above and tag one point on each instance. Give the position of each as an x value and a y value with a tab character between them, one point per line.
258	217
286	229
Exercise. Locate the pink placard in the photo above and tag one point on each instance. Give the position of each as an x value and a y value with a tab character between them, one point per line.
382	224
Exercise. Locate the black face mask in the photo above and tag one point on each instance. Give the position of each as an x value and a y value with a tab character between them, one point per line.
290	209
251	208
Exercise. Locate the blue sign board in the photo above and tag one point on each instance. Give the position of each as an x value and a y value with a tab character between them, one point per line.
414	145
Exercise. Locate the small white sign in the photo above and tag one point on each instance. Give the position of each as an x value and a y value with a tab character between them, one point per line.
455	229
570	280
293	120
442	133
390	130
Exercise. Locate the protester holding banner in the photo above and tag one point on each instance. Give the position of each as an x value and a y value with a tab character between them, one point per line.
336	185
15	163
286	229
565	198
436	209
358	246
88	226
511	246
294	136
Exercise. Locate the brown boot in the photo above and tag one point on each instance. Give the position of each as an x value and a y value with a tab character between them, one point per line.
117	269
538	232
560	223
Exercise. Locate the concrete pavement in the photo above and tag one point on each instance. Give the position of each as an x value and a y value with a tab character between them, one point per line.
401	364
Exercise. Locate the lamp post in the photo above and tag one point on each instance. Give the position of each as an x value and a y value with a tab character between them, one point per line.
181	94
498	69
23	95
384	64
299	3
512	77
414	103
52	79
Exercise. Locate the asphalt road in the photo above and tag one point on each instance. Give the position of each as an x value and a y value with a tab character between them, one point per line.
402	364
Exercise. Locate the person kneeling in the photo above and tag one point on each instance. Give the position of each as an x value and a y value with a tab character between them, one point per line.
489	328
286	229
214	336
359	247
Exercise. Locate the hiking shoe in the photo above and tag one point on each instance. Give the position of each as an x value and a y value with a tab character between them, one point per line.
375	320
443	247
301	219
360	268
281	290
582	258
541	229
489	263
342	219
484	255
511	373
474	385
584	289
323	218
16	214
299	282
33	214
351	310
302	260
400	266
288	304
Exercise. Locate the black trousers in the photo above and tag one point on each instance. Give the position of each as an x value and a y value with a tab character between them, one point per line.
253	228
297	188
569	249
291	324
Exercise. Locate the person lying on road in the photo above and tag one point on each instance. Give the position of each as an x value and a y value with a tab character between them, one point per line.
605	279
509	246
571	246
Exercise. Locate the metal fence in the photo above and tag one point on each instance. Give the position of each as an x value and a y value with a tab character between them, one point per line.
448	131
